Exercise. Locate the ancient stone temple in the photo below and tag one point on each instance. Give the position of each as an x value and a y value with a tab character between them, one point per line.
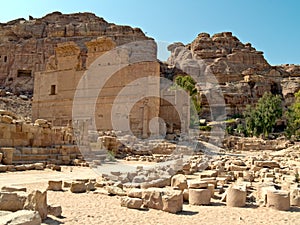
55	87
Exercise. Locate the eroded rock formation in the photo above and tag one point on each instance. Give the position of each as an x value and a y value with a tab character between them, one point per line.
26	46
240	71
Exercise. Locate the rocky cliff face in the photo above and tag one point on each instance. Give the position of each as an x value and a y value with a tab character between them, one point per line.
26	45
237	69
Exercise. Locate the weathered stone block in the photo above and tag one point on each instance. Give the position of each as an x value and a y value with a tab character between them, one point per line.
279	200
7	155
3	168
267	164
12	201
78	187
55	185
199	196
236	196
172	201
22	217
132	203
179	181
55	210
153	198
37	201
197	184
13	189
114	190
135	193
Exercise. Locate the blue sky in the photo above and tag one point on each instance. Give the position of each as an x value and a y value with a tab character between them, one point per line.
272	26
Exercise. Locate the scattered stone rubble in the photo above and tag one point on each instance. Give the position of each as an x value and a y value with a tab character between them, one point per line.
17	206
265	178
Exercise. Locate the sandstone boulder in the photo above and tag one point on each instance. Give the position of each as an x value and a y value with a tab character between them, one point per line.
21	217
199	196
12	201
278	199
55	210
267	164
7	155
236	196
13	189
114	190
135	193
78	187
197	184
179	181
37	201
39	166
172	202
158	183
55	185
90	185
132	203
152	198
3	168
295	197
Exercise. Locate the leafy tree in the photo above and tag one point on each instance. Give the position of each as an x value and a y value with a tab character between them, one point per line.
293	117
188	84
262	118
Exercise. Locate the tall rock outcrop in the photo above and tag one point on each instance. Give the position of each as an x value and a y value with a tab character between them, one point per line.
26	45
237	69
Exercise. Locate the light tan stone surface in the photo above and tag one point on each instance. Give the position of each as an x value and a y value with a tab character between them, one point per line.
92	208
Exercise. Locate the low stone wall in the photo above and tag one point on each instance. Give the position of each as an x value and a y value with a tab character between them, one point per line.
22	142
19	133
249	144
59	155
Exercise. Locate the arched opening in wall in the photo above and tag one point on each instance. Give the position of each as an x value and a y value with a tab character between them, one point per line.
10	79
5	59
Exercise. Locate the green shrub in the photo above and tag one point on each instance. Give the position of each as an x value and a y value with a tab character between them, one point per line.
205	128
293	117
262	118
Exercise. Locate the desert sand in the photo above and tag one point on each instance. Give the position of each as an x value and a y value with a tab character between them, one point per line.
95	208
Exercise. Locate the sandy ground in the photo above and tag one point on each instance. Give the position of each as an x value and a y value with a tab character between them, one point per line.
94	209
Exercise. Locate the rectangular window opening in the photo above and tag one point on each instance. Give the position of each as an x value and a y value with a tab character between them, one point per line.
53	90
24	73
